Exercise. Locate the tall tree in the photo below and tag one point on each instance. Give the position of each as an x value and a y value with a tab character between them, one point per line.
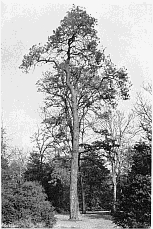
116	131
79	75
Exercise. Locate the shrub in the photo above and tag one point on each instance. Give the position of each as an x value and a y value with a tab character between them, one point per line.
30	207
9	213
32	202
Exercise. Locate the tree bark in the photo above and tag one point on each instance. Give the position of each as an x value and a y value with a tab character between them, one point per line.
114	190
74	204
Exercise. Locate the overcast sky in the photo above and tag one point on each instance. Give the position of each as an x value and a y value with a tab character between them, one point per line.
124	29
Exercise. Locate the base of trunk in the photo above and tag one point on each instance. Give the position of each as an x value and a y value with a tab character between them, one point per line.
84	212
75	218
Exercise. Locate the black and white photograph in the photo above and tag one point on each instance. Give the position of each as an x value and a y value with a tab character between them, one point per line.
76	114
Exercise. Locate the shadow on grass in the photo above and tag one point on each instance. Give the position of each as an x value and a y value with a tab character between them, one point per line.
106	215
99	215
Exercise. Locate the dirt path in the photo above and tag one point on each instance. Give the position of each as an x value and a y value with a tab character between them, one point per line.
96	220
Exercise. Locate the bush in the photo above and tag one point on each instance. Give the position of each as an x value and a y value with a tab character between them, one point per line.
24	223
9	186
30	207
134	205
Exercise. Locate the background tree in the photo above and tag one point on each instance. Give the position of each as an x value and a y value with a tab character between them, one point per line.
134	205
42	143
46	165
42	152
94	182
61	183
36	169
3	141
79	75
53	174
143	110
5	146
117	133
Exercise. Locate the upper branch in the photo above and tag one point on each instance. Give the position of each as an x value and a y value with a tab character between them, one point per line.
70	41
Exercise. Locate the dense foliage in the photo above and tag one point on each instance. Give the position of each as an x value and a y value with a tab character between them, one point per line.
134	205
23	203
95	182
53	176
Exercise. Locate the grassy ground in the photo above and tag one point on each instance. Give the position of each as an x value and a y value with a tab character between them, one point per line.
91	220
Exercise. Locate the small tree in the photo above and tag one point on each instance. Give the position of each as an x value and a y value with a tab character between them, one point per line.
79	76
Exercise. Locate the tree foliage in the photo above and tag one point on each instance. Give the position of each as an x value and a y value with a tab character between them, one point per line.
134	206
32	203
38	170
54	176
22	202
5	146
143	109
94	182
3	141
115	132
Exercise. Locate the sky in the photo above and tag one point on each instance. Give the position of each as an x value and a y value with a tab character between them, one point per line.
125	29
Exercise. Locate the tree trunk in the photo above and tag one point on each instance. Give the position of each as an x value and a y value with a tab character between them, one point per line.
74	204
83	196
114	191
